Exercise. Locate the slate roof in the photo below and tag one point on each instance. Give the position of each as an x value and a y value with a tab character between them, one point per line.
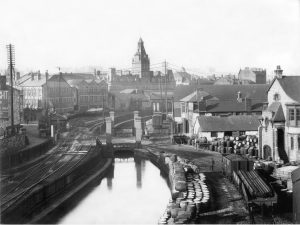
277	112
232	106
194	97
230	123
26	81
224	97
291	86
225	92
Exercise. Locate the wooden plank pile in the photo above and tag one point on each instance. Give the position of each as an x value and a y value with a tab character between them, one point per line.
255	184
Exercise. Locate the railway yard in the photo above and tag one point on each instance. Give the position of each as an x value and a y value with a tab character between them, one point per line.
72	150
53	172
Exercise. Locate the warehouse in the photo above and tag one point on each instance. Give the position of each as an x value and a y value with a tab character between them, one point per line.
218	127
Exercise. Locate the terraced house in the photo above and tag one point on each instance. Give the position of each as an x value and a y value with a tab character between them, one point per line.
280	124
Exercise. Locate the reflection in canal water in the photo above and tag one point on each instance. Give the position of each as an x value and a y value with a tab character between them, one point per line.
134	191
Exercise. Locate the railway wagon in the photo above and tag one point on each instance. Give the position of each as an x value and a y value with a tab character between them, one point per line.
233	162
255	190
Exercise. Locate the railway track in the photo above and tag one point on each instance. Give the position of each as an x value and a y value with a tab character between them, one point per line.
56	165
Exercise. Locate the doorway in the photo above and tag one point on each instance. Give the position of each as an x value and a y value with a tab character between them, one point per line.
280	144
267	152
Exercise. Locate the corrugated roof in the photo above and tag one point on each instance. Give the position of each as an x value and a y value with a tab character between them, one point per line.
231	123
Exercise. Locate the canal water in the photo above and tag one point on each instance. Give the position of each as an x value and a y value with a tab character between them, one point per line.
133	192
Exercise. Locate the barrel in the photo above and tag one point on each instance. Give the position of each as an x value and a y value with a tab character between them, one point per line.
228	143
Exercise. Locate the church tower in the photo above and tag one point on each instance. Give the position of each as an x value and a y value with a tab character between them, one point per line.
140	61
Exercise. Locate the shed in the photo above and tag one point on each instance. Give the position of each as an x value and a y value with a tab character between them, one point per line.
215	126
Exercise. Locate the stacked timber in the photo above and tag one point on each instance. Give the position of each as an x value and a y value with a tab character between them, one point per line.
255	184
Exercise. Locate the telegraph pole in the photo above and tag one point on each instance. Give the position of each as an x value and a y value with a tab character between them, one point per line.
166	89
11	64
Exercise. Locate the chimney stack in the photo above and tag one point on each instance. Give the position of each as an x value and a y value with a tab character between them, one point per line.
39	75
47	75
278	72
32	76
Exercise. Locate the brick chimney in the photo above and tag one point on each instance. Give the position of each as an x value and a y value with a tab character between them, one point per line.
47	75
278	72
248	104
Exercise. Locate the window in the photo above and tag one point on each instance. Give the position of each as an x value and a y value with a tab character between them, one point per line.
291	114
292	143
183	107
298	142
298	115
276	97
214	134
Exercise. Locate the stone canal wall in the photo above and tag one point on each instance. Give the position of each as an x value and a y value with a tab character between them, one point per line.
15	157
190	194
36	200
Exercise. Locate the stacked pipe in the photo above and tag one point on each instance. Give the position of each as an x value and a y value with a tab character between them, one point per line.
255	184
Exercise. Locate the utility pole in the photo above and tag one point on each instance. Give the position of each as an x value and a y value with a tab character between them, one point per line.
160	88
103	119
166	89
11	64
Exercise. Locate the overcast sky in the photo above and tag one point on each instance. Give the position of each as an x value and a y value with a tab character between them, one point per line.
205	35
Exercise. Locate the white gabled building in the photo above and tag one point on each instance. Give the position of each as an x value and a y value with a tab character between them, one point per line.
279	132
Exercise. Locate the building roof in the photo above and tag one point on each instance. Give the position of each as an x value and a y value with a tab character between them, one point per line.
225	92
57	78
291	86
81	76
230	123
194	97
277	112
26	80
232	106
